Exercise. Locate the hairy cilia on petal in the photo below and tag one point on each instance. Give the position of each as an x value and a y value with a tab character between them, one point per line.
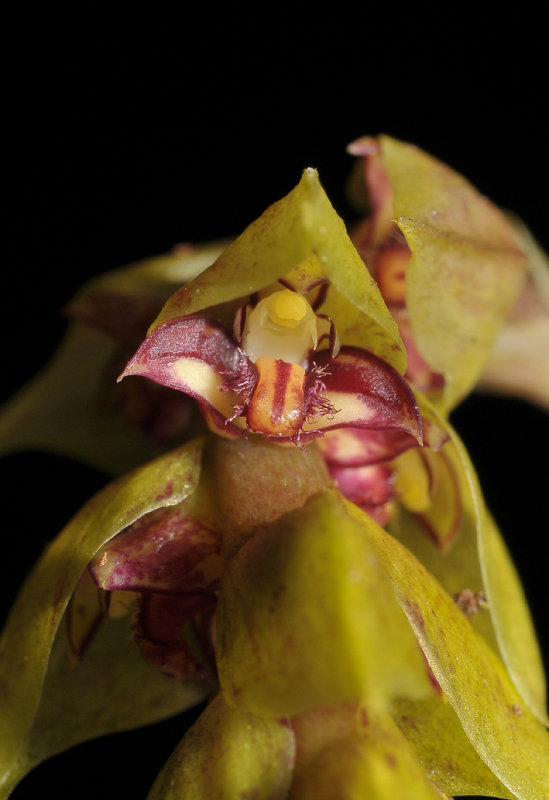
273	380
190	354
274	365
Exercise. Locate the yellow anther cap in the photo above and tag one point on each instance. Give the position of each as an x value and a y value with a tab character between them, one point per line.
287	308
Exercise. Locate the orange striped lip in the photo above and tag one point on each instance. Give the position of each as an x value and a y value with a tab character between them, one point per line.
277	405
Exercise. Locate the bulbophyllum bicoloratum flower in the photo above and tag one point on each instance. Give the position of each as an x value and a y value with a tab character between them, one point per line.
449	264
316	560
272	377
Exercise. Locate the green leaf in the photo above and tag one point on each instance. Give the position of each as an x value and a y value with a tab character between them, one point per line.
229	754
300	234
305	603
466	270
30	630
503	731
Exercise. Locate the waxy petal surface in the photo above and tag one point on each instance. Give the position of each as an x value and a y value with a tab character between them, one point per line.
169	552
28	636
359	447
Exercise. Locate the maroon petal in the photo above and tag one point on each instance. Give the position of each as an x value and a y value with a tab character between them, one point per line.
197	356
369	487
359	447
166	551
367	393
172	633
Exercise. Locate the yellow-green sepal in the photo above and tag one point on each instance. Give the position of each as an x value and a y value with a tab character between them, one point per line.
302	239
446	754
466	269
229	754
307	618
27	640
502	729
352	753
478	560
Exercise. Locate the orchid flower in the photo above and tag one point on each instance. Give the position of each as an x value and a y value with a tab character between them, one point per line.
448	262
272	378
276	564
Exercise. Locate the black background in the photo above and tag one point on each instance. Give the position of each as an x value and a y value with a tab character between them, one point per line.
129	131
